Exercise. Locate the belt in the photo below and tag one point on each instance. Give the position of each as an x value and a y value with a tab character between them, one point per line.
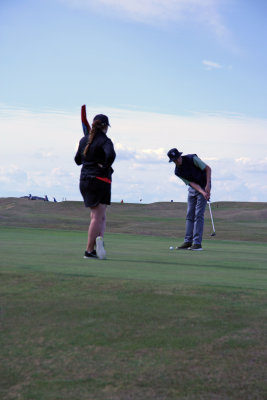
103	179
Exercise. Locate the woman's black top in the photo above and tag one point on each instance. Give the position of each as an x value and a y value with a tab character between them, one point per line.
101	151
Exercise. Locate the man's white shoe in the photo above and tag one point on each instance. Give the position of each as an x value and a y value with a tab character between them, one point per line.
100	251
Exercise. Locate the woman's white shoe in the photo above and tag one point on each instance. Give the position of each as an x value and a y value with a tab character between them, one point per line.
100	250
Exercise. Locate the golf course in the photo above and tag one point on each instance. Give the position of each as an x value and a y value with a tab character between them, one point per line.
147	323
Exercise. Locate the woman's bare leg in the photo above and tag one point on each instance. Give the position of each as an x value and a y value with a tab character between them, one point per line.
97	225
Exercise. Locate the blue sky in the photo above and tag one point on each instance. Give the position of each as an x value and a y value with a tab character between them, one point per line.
169	73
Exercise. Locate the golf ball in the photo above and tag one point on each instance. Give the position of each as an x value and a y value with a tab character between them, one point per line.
171	248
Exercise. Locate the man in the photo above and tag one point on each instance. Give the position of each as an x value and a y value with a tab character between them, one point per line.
197	175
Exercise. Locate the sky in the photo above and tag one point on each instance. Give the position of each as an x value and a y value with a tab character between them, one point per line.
189	74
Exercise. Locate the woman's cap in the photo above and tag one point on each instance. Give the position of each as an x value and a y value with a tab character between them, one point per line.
103	118
173	154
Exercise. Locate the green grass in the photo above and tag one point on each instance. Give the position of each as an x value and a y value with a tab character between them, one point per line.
137	257
233	220
147	323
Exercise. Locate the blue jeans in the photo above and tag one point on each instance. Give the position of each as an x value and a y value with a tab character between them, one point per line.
196	204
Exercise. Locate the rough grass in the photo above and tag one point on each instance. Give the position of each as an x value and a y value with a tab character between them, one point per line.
147	323
233	220
87	338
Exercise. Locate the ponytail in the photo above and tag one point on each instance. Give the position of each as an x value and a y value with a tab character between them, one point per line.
97	126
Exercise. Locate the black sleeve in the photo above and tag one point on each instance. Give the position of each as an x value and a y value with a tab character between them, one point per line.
78	156
110	154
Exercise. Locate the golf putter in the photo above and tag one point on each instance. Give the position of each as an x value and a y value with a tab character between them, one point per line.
213	233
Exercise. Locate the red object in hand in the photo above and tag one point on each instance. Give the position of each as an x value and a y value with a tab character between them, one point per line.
85	123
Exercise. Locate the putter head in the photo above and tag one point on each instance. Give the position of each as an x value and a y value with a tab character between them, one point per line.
213	234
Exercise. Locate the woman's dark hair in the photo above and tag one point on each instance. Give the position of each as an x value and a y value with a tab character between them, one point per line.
97	126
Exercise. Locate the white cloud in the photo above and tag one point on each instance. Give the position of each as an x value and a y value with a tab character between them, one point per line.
160	11
209	65
255	166
173	179
151	155
11	174
243	160
43	154
124	152
142	156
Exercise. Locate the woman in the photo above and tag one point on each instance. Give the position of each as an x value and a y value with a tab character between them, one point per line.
96	154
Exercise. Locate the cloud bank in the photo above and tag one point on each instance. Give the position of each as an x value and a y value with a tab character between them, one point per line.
37	154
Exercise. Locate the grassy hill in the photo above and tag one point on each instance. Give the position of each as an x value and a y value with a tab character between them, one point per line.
233	220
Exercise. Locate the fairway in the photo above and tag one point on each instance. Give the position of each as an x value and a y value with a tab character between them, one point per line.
222	263
147	323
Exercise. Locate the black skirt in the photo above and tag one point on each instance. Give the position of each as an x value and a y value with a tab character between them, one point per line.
95	191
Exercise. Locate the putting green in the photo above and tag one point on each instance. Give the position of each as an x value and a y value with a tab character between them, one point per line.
221	263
